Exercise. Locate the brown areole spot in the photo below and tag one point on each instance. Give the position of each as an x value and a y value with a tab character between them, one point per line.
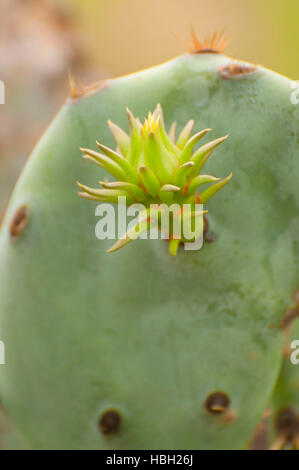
287	422
110	422
18	223
287	429
217	402
235	70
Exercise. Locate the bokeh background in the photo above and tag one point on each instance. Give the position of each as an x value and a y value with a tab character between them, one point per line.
96	39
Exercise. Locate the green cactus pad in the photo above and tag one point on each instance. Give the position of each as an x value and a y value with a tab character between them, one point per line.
140	349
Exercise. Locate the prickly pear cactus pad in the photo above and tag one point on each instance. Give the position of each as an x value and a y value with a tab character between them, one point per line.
138	349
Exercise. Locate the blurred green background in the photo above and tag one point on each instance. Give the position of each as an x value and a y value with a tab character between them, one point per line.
41	39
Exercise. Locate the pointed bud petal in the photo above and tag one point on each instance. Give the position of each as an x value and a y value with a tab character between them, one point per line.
208	193
107	195
198	181
167	192
185	134
135	148
188	149
121	138
174	246
170	187
172	149
135	191
142	225
132	122
149	181
199	156
158	114
105	162
130	172
172	132
87	196
158	159
182	174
